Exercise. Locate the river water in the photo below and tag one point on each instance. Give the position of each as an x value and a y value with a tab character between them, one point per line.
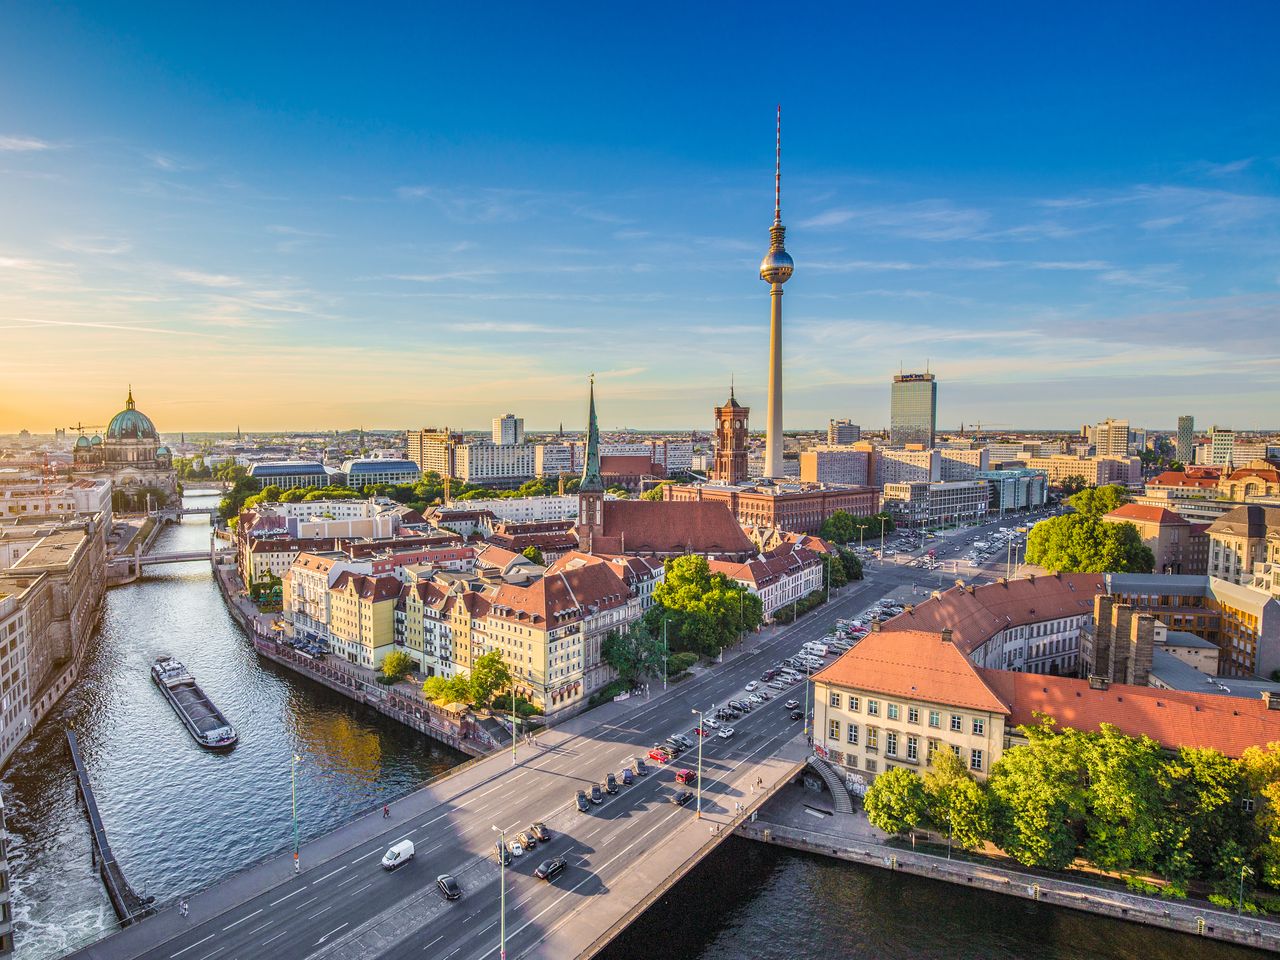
180	818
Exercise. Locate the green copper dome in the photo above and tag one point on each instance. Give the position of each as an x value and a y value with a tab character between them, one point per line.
131	423
82	442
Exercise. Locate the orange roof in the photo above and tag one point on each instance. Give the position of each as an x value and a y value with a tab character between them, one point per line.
671	527
563	596
1137	513
976	614
1174	478
913	664
374	589
1172	718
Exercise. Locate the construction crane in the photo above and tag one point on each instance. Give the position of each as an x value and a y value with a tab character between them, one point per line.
80	428
977	427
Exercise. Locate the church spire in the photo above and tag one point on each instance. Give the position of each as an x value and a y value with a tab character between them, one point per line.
128	404
591	480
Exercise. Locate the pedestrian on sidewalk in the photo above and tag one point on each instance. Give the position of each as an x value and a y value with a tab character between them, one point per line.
182	908
386	811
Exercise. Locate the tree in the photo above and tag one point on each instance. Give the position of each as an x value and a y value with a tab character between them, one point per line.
655	494
1098	501
956	804
852	565
1039	798
838	528
1072	484
634	653
1204	827
1260	767
833	571
1080	543
705	612
1125	801
397	664
534	554
895	802
455	689
489	674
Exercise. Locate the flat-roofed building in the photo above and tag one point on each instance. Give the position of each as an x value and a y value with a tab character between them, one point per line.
841	432
289	474
943	502
367	472
1016	488
913	409
800	508
1095	471
956	464
836	465
907	465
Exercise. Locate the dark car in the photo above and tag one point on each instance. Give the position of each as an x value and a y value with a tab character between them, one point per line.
627	777
583	803
797	715
550	869
448	886
611	784
504	855
596	795
539	831
681	798
641	769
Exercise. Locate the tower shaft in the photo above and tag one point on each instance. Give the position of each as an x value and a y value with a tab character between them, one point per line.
773	429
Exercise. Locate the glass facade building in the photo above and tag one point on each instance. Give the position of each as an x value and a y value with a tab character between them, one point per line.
913	409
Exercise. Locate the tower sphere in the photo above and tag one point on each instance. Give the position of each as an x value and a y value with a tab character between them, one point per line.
777	266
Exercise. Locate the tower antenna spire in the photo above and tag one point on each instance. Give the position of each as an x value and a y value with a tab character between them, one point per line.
777	173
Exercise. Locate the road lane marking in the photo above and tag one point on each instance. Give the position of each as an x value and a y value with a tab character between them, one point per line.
249	916
261	928
214	954
305	902
329	934
354	876
332	872
324	910
358	889
192	947
371	853
288	895
433	943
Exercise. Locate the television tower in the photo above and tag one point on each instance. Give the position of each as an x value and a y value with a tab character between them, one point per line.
775	269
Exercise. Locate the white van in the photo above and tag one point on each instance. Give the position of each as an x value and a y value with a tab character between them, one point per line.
399	854
814	648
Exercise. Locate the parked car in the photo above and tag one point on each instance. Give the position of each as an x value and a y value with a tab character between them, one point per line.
550	869
448	886
751	686
702	731
526	841
680	798
399	854
684	740
596	795
660	755
686	777
627	777
516	848
502	853
673	746
583	803
611	783
711	723
764	695
641	768
539	830
724	733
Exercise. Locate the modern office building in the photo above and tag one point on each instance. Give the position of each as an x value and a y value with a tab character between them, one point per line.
1185	448
959	464
937	504
913	409
508	429
843	431
1015	488
1221	448
1111	438
907	466
366	472
288	474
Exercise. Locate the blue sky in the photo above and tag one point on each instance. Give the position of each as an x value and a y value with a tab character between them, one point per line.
322	216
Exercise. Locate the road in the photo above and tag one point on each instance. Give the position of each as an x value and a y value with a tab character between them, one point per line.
616	848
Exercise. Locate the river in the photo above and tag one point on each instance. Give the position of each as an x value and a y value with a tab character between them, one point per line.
180	818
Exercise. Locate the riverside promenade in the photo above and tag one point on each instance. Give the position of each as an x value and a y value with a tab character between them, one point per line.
803	819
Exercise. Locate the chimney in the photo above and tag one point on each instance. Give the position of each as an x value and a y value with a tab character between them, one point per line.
1271	700
1031	577
946	635
875	626
1003	581
908	608
1099	683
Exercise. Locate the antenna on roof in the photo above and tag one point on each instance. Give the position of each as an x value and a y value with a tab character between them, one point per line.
777	173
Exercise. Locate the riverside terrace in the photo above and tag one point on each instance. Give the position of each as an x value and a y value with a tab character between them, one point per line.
620	855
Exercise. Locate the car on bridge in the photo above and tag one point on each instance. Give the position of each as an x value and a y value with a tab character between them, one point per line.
399	854
583	803
686	777
550	869
448	886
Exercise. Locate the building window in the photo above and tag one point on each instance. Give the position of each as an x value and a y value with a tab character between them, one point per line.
913	715
935	719
913	748
890	744
975	759
893	711
871	764
1247	805
855	704
873	738
873	708
851	733
979	727
833	730
957	722
955	750
835	699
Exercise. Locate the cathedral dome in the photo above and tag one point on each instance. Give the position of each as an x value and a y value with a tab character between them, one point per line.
96	442
82	442
163	452
131	424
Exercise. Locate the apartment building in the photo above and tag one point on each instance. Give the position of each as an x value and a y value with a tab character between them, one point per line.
1096	471
908	465
779	579
840	432
1177	544
836	465
361	624
923	504
1111	438
1244	546
958	464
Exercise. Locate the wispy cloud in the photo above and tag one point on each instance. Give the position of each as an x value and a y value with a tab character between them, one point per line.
1212	169
918	220
105	246
20	323
23	145
202	279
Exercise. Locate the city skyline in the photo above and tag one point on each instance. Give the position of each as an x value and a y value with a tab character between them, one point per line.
283	240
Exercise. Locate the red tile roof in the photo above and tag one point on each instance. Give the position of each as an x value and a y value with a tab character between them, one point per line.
1172	718
671	528
630	465
975	614
1137	513
563	596
913	664
368	588
1174	478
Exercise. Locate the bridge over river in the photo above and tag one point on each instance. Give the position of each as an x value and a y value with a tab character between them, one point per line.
621	855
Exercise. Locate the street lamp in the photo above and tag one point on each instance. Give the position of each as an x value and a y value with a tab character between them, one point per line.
702	731
666	652
808	671
502	893
293	777
1240	903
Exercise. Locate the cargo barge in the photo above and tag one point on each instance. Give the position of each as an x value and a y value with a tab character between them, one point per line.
202	719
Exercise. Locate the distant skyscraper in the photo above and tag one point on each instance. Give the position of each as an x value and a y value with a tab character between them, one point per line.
1222	444
1111	438
1186	447
731	442
843	431
508	429
775	269
913	409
